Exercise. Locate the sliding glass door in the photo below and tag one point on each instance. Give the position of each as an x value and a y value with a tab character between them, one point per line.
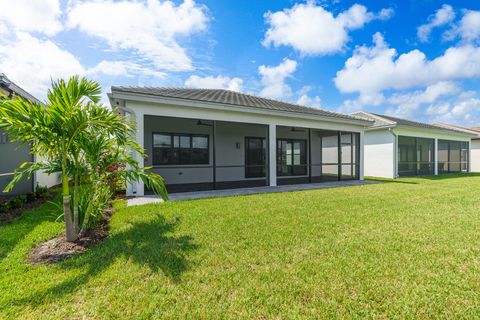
291	157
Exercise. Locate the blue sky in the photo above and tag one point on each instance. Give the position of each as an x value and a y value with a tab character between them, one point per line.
414	59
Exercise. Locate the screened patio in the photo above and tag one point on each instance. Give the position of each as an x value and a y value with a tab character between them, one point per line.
199	154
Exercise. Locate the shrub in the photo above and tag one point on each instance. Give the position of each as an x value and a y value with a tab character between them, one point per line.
42	192
31	196
17	202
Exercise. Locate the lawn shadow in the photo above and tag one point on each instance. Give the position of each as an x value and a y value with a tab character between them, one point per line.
13	232
445	176
147	243
387	180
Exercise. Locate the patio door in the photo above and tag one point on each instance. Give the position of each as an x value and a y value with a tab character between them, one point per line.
255	157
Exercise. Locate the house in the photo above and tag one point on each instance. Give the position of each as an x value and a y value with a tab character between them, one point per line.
14	153
397	147
475	143
203	139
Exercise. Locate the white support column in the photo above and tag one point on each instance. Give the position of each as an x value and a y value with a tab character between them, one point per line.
435	164
362	157
137	188
272	155
469	156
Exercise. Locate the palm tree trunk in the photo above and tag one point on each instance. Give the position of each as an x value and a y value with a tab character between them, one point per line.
70	232
75	203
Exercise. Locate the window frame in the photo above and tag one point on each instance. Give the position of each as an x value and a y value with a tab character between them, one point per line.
179	149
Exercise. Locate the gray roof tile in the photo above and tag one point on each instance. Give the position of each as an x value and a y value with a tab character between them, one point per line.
231	98
383	120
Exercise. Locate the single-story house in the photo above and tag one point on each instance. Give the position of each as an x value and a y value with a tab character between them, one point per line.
397	147
475	143
14	154
201	139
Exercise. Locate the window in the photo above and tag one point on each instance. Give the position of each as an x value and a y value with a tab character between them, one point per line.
452	156
174	148
255	157
415	156
291	157
4	138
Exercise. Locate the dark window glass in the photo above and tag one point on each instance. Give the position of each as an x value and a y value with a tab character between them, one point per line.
291	157
255	157
171	149
415	156
162	141
200	142
4	138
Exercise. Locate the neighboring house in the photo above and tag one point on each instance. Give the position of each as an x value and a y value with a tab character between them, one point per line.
475	143
200	139
13	154
397	147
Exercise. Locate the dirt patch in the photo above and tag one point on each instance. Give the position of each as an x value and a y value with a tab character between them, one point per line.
7	217
58	249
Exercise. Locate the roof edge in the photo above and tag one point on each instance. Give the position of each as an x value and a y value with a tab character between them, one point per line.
342	118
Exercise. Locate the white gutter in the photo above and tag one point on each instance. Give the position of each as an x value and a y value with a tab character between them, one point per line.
395	153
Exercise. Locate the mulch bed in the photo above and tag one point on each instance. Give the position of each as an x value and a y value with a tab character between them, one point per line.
58	249
7	217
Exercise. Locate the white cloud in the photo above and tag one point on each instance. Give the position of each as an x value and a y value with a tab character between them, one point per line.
442	16
123	68
304	99
273	79
403	104
438	109
32	63
372	70
218	82
468	28
151	29
429	95
312	30
464	111
385	13
406	105
41	16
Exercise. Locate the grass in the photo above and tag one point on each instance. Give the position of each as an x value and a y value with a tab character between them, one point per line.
408	248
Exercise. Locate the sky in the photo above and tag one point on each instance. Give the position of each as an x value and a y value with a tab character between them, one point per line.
415	59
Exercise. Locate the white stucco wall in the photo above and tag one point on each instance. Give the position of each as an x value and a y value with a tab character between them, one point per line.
379	154
47	180
475	156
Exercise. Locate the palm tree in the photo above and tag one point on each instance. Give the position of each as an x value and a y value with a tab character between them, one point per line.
57	132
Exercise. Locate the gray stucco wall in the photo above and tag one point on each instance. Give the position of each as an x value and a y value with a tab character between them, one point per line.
228	135
12	155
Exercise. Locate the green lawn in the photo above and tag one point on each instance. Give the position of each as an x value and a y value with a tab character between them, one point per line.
409	248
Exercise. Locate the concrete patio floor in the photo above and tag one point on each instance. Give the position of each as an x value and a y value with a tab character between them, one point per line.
245	191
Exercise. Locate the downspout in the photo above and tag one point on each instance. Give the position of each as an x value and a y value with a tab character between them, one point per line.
395	153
